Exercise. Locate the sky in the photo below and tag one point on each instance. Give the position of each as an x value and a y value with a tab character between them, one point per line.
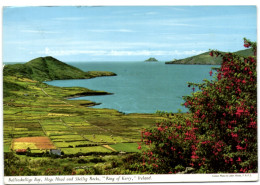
124	33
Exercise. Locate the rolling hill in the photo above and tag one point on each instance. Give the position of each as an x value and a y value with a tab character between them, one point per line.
49	68
206	59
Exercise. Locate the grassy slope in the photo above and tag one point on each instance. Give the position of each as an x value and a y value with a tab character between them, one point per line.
206	59
39	109
32	108
49	68
245	53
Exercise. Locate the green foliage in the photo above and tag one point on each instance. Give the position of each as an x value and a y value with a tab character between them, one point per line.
221	135
164	113
170	144
9	87
224	111
82	161
94	74
14	166
96	160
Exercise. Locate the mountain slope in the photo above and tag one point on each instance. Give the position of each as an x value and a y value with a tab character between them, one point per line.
245	52
48	68
206	59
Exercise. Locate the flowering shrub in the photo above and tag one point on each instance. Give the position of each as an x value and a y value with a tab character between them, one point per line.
169	145
221	136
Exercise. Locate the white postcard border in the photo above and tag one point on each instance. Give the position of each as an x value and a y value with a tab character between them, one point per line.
114	179
241	177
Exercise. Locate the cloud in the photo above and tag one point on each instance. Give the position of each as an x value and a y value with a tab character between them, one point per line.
174	23
38	31
48	51
154	53
178	8
151	13
145	13
165	22
75	43
69	18
111	30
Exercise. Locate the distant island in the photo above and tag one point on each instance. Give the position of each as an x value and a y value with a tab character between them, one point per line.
151	59
206	59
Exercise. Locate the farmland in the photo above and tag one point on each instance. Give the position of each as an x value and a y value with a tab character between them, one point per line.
39	117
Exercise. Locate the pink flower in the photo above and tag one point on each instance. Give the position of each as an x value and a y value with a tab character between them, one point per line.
252	124
234	135
239	111
147	133
227	87
160	129
246	45
194	157
239	160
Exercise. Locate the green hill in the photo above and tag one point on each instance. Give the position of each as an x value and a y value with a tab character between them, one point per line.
245	52
49	68
206	59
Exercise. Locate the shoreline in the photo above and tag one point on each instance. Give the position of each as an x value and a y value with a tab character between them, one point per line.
98	93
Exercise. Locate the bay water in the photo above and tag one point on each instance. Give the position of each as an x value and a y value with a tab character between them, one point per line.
139	87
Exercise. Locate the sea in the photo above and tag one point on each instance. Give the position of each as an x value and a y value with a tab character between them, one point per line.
140	87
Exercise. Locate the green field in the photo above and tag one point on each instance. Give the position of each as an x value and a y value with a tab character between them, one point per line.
62	120
125	147
34	109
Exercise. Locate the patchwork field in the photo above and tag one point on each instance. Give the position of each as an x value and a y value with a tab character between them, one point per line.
39	117
41	143
125	147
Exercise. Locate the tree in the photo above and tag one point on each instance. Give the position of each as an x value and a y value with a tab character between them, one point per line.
221	135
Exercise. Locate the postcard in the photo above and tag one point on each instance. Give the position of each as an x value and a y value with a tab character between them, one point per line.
129	94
